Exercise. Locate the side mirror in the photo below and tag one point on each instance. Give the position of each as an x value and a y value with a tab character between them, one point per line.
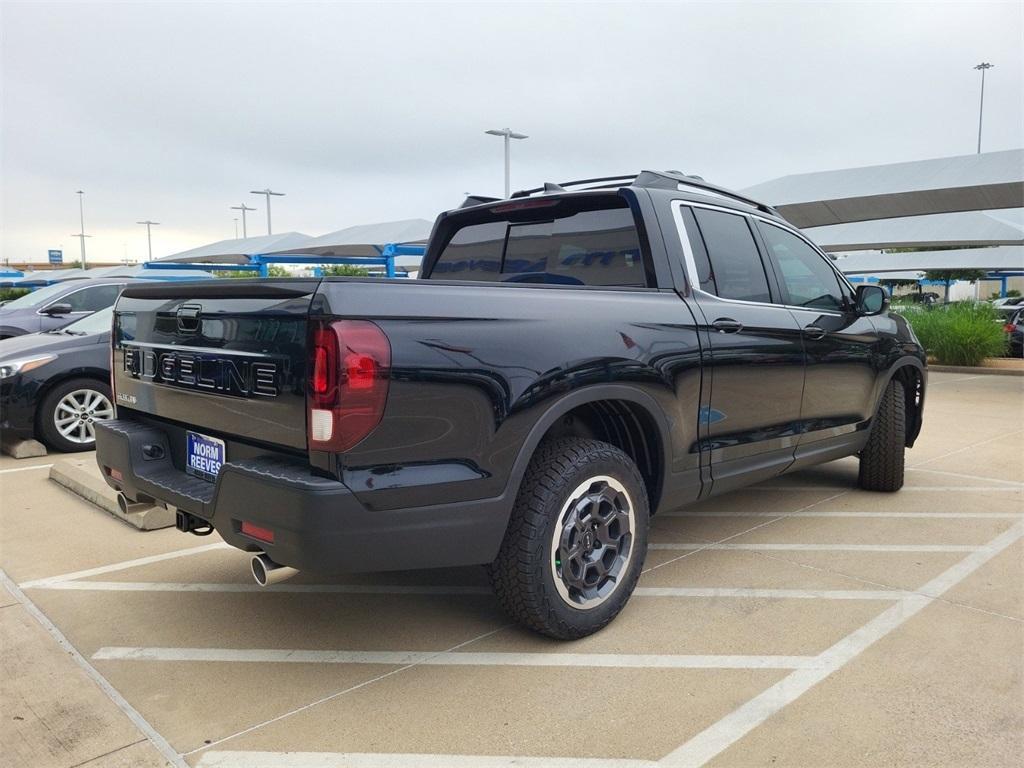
871	300
57	309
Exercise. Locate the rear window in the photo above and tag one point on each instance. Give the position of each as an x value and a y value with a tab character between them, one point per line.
590	247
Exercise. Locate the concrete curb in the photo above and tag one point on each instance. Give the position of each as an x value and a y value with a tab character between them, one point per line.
976	370
23	449
82	477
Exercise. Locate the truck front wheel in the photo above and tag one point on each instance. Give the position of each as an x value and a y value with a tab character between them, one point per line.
881	461
576	540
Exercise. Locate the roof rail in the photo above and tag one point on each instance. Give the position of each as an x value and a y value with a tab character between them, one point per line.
671	180
655	180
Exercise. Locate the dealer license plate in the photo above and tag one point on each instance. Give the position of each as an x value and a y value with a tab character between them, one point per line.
204	455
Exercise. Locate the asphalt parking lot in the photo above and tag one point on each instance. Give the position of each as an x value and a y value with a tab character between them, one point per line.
802	622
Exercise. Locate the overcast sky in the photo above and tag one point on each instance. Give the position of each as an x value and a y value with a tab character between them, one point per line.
370	112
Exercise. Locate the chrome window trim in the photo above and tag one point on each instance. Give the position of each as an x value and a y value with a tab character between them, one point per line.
691	263
61	299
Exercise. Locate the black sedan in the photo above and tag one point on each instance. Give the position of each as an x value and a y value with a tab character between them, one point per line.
55	385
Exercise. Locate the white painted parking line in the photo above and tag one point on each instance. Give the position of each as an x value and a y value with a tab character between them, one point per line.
386	589
343	589
773	594
365	760
158	741
448	659
25	469
965	477
823	547
124	565
843	513
906	488
715	739
700	749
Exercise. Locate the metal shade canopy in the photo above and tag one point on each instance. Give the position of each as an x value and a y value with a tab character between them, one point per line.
986	181
363	239
967	228
238	251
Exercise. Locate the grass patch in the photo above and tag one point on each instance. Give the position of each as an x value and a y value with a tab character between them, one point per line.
963	333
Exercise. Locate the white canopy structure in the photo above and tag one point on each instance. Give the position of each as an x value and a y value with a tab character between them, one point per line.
981	182
238	251
364	239
1008	258
967	228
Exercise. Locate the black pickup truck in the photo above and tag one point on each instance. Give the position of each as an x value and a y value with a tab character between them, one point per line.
571	361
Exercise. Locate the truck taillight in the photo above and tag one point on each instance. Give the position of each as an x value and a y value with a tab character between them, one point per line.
1009	328
350	365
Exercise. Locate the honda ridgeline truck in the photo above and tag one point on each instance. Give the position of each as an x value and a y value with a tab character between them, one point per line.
570	362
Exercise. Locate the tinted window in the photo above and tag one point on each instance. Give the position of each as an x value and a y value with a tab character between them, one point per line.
805	275
599	247
474	253
736	268
92	298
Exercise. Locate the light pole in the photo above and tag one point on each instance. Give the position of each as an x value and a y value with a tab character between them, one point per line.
236	227
81	218
981	106
149	234
266	193
508	133
243	208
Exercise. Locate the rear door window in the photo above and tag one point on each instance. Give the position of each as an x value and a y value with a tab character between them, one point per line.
734	269
591	247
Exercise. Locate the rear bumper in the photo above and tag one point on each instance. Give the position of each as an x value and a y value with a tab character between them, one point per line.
318	524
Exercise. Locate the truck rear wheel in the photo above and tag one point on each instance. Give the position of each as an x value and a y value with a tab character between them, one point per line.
576	540
881	461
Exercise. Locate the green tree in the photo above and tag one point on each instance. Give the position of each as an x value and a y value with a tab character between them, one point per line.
345	270
273	270
947	276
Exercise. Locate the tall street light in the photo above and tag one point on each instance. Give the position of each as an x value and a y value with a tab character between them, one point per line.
243	208
149	234
236	227
508	133
266	193
981	107
81	218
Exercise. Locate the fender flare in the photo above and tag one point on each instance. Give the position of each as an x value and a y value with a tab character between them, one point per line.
883	383
591	394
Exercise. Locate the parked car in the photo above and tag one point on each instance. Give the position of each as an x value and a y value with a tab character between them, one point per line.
1008	301
1013	324
55	385
55	305
566	365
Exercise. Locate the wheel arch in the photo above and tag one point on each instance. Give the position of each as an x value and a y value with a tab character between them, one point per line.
623	416
912	374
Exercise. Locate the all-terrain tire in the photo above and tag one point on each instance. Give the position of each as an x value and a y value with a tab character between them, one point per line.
61	401
525	571
881	461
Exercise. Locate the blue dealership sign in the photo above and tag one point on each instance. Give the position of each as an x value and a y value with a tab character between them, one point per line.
56	257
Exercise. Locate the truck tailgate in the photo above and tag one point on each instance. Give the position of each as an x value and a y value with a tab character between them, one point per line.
225	359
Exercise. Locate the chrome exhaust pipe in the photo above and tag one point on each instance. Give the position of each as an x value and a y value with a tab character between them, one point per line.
127	506
267	572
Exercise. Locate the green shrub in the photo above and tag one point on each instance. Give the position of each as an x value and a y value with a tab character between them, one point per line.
6	294
964	333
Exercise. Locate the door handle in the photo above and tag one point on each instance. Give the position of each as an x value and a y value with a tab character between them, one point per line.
727	325
814	332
